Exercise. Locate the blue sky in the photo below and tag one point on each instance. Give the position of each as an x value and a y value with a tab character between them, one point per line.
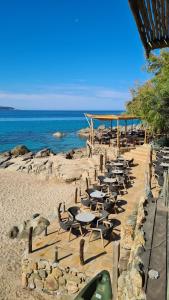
68	54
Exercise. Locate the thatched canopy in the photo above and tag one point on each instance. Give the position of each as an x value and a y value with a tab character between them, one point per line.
152	19
112	117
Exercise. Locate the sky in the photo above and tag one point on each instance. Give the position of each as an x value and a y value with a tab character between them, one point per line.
68	54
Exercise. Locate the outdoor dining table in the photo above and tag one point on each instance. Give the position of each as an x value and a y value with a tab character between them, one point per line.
165	165
97	195
166	157
118	164
117	172
109	180
85	217
165	151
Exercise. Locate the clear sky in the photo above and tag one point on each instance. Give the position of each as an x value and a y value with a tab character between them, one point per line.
68	54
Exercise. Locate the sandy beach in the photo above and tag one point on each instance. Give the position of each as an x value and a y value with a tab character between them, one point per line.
22	195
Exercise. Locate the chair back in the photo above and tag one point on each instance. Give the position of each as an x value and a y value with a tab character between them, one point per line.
73	211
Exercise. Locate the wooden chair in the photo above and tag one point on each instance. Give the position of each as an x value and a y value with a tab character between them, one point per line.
104	228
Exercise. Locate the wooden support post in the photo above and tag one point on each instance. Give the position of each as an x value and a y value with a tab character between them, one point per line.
116	253
30	240
64	207
56	255
46	231
76	195
87	183
82	243
101	163
105	159
145	136
118	135
95	175
125	128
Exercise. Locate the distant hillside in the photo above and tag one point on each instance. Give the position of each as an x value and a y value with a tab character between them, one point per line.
6	108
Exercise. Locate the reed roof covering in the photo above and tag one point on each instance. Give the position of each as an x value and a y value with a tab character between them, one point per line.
112	117
152	19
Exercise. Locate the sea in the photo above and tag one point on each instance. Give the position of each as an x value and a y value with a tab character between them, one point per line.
35	128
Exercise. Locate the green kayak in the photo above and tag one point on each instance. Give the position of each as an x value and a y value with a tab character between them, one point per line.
99	288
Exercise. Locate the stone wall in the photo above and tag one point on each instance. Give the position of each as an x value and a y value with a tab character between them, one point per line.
50	278
130	281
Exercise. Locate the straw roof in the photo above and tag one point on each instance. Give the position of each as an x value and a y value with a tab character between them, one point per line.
112	117
152	19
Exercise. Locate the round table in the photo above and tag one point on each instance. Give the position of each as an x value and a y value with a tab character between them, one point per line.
121	158
118	164
109	180
165	165
117	172
166	157
165	151
97	195
85	217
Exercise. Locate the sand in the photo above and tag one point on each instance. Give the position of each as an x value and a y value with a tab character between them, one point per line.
21	195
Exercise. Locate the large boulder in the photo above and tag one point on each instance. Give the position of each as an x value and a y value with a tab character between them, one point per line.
43	153
85	132
69	155
58	134
38	223
19	150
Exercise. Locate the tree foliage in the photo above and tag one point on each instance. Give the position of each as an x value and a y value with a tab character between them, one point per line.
150	101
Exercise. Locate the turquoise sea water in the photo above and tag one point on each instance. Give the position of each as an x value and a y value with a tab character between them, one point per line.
35	129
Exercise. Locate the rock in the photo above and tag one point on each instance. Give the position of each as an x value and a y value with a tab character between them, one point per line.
4	159
51	283
14	232
85	132
19	150
42	273
6	154
82	276
31	283
43	153
72	278
36	276
34	216
56	272
72	287
41	264
153	274
6	164
69	155
27	156
58	134
101	127
24	281
41	225
62	281
39	284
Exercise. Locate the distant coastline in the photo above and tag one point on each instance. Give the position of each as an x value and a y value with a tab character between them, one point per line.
6	108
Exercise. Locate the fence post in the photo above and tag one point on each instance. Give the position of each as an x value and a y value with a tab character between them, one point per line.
56	255
82	242
76	194
30	240
101	163
116	253
87	183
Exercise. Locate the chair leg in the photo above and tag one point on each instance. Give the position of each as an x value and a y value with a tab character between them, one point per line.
80	228
70	231
102	239
90	235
